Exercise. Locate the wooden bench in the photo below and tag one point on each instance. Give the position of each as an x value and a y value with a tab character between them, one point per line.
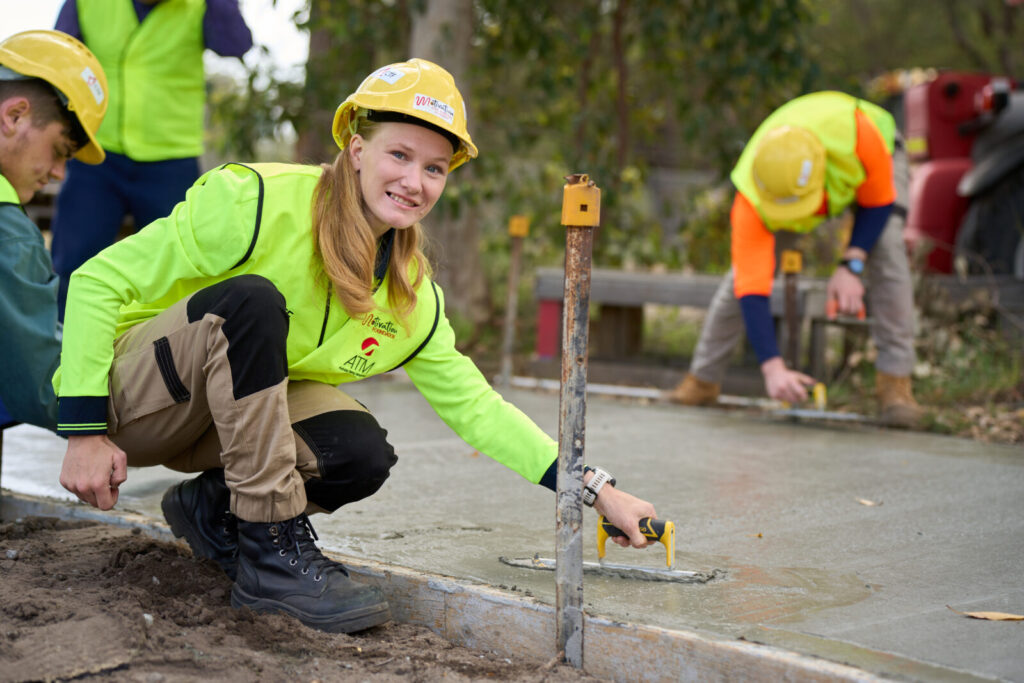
618	330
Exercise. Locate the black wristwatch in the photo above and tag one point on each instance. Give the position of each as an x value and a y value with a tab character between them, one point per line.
854	265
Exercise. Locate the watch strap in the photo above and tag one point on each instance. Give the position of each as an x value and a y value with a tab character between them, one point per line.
854	265
594	486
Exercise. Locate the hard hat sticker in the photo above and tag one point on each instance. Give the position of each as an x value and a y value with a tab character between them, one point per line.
430	105
806	166
94	84
388	75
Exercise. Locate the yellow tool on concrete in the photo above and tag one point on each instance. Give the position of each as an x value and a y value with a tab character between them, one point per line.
662	531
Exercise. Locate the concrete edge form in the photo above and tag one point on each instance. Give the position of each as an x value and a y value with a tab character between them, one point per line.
482	617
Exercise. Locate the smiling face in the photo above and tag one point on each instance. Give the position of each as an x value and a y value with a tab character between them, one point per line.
402	169
31	156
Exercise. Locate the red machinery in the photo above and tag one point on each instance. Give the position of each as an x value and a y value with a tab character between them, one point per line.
963	140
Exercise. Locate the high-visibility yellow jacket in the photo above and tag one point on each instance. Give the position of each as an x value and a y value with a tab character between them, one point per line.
155	73
257	219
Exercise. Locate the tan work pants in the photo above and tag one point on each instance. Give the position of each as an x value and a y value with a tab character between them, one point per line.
173	402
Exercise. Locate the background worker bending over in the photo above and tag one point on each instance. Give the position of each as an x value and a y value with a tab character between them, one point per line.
809	161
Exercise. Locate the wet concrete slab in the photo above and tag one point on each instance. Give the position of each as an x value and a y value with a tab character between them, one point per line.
778	508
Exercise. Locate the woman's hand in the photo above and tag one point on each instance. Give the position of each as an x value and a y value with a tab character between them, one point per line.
93	470
624	511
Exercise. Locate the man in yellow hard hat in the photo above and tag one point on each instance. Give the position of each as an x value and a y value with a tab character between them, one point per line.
53	96
152	51
811	160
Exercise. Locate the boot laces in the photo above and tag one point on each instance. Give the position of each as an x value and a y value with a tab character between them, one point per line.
228	525
298	535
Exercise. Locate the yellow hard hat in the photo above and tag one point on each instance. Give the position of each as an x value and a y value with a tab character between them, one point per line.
789	173
418	89
69	66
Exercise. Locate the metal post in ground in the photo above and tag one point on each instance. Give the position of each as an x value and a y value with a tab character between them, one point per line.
518	228
792	264
581	213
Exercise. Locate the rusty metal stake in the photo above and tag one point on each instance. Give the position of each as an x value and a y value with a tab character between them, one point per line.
518	228
792	264
581	213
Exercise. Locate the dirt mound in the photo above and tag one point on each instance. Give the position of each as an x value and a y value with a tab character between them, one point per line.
88	600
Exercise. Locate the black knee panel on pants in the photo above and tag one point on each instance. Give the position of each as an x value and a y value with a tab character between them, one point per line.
256	326
352	454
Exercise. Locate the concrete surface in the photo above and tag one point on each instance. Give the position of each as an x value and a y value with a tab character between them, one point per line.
808	567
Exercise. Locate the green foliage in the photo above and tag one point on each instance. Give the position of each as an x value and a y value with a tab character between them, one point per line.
243	115
615	88
968	366
618	90
609	88
855	40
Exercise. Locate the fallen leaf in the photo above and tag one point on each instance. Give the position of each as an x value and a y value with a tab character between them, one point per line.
869	503
990	616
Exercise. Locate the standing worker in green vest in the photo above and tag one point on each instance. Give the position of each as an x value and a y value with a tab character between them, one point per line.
53	95
213	341
152	51
809	161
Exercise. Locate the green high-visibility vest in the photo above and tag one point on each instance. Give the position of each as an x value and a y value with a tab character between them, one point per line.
155	74
830	116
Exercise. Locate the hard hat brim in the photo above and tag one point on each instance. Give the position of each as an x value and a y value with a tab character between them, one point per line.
91	153
781	212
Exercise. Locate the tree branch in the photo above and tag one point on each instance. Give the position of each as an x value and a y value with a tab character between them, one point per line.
621	108
961	39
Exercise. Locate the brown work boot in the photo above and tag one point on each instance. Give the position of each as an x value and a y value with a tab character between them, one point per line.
693	391
896	404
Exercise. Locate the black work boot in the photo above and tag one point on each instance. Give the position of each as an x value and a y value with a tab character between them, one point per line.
199	510
281	570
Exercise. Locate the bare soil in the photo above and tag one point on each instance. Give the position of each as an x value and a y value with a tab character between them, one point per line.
81	600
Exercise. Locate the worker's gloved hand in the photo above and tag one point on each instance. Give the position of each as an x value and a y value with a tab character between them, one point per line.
625	511
846	290
784	384
93	470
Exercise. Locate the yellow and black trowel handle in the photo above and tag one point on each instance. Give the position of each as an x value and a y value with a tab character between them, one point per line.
662	531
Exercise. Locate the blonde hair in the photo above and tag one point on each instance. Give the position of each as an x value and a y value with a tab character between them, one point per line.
347	248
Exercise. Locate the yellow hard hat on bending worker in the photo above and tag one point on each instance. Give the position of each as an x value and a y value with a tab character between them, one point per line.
789	173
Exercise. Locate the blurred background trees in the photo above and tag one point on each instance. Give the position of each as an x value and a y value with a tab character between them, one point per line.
653	98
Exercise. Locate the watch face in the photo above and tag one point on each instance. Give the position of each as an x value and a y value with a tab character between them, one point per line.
855	265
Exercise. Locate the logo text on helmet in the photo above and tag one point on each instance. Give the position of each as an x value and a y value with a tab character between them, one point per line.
94	84
388	75
431	105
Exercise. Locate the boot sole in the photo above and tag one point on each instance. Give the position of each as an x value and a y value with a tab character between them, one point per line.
351	621
182	527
